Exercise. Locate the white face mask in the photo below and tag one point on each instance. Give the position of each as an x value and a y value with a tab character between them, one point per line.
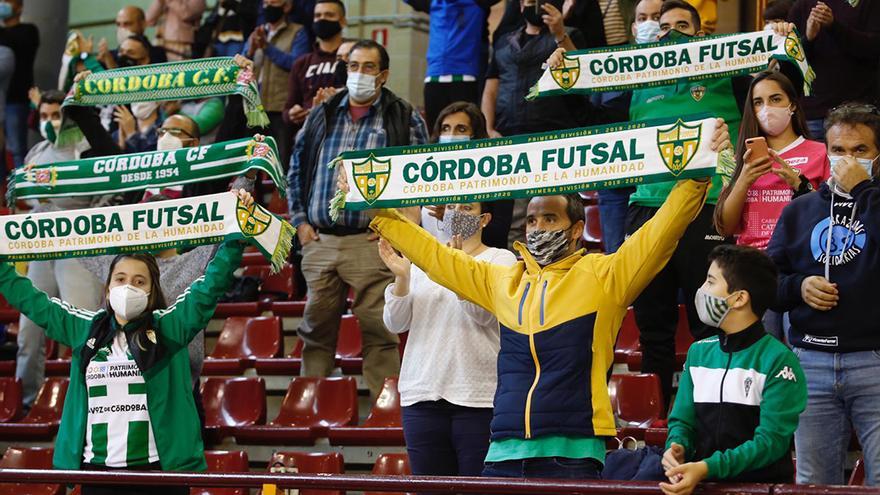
142	110
49	129
361	87
647	31
128	302
454	138
169	142
123	34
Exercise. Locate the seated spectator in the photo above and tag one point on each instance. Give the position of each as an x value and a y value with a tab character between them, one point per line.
825	245
130	21
740	393
317	69
134	330
138	127
445	415
749	206
180	19
208	114
23	39
842	43
270	47
457	51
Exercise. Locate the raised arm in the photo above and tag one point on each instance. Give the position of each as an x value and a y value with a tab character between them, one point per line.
193	309
61	321
625	273
471	279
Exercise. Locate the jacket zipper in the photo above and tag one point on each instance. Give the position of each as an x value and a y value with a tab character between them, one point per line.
534	351
721	397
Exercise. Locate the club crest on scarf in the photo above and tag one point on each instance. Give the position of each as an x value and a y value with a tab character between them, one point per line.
43	176
698	92
567	74
793	47
678	145
371	177
252	220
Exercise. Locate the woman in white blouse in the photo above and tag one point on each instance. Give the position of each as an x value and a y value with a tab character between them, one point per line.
448	373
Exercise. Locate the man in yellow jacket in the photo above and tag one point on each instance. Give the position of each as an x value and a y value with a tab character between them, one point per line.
559	311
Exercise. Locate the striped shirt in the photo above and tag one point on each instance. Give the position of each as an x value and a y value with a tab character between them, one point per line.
615	31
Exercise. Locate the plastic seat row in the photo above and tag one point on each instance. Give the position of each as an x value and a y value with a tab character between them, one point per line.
629	351
218	462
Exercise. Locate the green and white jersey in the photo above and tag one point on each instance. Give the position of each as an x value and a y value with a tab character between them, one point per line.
118	429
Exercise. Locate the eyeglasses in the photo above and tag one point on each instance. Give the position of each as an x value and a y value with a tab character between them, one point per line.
176	132
857	107
366	67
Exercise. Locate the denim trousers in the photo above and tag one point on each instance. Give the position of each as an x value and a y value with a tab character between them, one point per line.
545	467
444	439
843	393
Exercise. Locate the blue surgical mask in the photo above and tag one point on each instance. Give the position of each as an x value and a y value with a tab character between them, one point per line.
866	163
647	31
453	138
5	10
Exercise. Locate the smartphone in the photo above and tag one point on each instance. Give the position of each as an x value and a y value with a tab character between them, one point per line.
555	3
758	146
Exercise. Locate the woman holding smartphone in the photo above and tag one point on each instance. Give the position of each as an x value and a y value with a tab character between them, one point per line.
775	161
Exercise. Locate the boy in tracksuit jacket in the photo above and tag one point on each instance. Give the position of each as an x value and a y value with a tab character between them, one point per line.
741	392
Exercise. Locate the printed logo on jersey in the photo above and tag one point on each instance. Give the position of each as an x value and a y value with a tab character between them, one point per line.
847	241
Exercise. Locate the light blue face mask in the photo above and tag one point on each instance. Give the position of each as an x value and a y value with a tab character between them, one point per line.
5	11
866	163
453	138
647	31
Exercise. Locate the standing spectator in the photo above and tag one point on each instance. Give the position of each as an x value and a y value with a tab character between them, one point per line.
777	11
181	18
64	278
585	16
269	46
740	392
842	43
613	203
340	254
827	248
23	39
516	64
445	415
130	21
227	27
456	48
614	22
317	69
708	10
7	71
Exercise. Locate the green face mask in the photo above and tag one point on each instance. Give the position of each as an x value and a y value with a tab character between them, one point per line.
675	35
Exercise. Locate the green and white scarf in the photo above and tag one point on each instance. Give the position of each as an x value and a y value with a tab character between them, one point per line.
558	162
659	64
144	227
152	169
183	80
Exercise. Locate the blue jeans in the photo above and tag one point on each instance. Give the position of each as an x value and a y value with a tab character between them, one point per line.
443	439
613	204
545	467
843	393
817	129
16	132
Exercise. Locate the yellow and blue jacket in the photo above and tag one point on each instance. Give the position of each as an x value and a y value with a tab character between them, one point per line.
558	323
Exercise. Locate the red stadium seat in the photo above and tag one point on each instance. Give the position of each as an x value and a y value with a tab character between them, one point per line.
309	462
391	465
383	425
8	314
627	338
288	308
225	310
636	399
593	228
683	341
311	406
61	365
257	271
348	347
10	399
278	286
221	461
41	423
857	477
28	458
243	340
255	258
231	403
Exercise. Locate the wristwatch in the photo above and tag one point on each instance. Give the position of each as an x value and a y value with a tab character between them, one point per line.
805	186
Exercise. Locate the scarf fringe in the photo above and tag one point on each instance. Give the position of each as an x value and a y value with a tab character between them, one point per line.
256	116
283	247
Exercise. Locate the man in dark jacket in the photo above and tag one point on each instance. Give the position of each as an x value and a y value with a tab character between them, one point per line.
342	254
827	247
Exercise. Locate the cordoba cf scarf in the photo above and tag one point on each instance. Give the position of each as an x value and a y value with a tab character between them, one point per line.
144	227
529	165
152	169
660	64
183	80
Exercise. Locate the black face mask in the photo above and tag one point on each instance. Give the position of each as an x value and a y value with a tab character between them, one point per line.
273	14
531	15
325	29
340	74
126	61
